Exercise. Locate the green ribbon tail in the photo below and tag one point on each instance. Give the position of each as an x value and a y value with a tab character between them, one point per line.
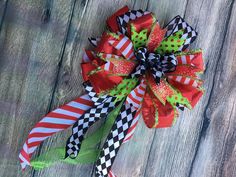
88	152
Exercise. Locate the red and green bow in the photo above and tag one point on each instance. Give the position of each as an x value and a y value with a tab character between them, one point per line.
115	59
136	68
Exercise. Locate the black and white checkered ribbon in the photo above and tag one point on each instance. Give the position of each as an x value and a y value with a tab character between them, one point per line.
115	139
156	63
102	107
124	19
94	97
177	24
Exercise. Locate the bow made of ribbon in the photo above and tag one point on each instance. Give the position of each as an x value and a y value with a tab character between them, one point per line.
138	65
155	62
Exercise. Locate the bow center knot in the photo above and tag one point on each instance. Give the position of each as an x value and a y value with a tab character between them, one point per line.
157	64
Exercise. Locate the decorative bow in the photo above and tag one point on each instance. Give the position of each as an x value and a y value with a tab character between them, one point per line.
155	62
137	68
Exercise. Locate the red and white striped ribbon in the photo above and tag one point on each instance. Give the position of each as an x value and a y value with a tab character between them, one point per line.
124	45
55	121
185	59
185	80
135	97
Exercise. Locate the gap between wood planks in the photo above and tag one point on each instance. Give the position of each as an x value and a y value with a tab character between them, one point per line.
206	120
48	6
3	13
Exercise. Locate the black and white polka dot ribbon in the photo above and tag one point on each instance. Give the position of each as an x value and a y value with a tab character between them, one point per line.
157	64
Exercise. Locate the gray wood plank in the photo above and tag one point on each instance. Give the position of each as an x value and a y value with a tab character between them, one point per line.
31	43
3	6
216	153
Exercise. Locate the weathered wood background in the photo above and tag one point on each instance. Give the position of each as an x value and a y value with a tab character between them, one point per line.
41	44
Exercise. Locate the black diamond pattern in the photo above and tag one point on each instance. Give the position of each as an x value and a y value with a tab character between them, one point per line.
177	24
124	19
114	140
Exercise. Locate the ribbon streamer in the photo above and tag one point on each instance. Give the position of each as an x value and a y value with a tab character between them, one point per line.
103	105
119	131
88	152
54	122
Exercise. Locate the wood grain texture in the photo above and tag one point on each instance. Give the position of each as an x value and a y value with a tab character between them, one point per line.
41	46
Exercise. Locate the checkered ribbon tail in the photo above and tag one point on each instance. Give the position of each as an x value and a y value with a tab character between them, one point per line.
81	126
115	139
124	19
177	24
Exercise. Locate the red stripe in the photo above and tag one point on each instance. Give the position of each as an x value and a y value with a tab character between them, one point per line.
182	79
58	115
191	82
179	60
32	135
125	45
133	99
52	125
73	109
84	101
115	43
142	88
25	155
138	94
129	53
33	144
89	54
188	59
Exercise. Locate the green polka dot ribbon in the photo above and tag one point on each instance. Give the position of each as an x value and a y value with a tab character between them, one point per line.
123	89
138	39
171	44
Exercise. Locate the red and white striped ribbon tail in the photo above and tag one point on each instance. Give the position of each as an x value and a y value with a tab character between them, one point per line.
135	98
55	121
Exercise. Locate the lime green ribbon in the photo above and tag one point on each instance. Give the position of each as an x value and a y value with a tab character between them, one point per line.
88	152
